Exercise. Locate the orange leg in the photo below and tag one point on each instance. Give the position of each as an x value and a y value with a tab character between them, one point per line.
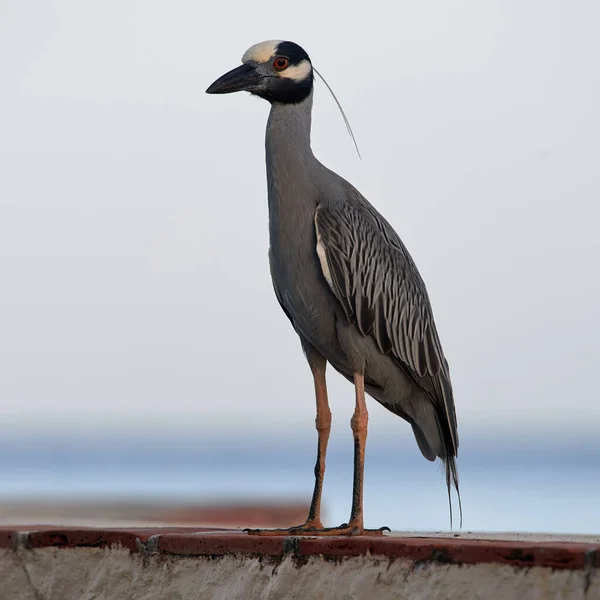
359	424
323	422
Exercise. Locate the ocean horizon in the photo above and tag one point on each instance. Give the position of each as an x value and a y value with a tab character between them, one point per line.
508	483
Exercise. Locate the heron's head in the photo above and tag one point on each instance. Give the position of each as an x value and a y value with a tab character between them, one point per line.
277	71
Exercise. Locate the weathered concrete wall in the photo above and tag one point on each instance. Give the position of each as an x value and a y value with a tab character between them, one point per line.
49	563
92	574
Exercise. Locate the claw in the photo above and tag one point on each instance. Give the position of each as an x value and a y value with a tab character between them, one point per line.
303	529
343	530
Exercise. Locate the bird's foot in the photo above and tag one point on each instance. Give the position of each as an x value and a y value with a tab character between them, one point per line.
316	529
348	529
308	528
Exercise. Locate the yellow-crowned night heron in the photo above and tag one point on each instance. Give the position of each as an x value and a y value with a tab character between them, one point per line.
346	282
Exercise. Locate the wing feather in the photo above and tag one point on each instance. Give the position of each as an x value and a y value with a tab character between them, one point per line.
382	293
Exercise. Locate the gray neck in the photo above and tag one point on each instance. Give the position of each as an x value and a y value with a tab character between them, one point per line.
292	176
288	131
289	158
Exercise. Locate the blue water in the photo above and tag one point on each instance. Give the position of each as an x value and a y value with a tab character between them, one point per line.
541	486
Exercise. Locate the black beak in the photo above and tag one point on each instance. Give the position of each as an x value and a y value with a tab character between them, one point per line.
240	79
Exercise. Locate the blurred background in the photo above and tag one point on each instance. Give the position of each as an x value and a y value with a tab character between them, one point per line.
147	372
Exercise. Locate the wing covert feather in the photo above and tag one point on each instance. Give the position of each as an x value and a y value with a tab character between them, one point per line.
381	292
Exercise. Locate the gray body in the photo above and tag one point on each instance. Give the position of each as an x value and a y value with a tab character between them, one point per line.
343	276
299	186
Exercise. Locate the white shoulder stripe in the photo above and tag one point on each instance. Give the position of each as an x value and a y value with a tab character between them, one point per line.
322	256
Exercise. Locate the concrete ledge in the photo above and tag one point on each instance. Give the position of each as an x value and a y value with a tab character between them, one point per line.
206	541
204	561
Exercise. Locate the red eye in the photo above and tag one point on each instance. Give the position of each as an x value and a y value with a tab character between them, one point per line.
281	63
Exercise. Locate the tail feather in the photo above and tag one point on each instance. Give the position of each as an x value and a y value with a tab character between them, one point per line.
436	440
435	432
441	446
452	480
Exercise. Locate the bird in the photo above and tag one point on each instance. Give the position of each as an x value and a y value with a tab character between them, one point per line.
347	284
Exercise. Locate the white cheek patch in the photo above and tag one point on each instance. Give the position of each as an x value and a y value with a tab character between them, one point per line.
297	72
262	52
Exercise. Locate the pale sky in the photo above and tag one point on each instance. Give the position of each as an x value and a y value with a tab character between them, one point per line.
135	285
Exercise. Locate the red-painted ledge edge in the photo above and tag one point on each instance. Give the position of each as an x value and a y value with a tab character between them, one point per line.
213	542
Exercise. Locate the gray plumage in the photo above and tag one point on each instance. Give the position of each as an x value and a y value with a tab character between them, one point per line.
377	314
350	288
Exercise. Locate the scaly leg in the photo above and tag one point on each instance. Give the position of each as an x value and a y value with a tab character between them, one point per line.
323	422
359	424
